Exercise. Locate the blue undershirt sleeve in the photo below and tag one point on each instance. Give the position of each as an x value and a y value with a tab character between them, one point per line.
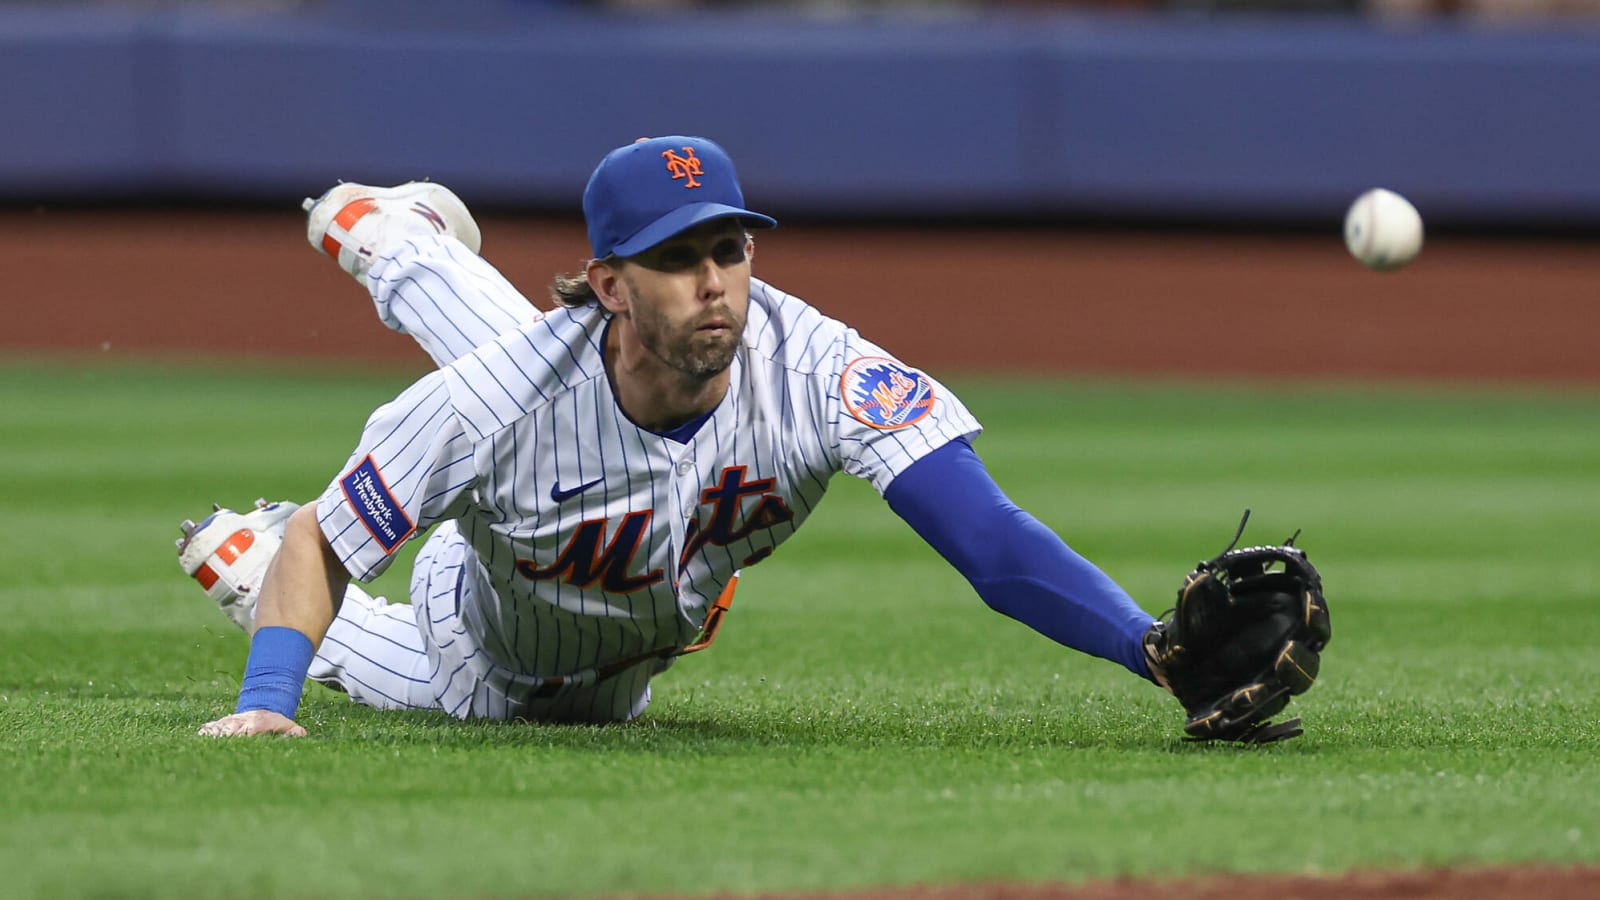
1017	565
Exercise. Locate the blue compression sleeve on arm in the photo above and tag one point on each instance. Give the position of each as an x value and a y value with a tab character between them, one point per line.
1018	565
275	674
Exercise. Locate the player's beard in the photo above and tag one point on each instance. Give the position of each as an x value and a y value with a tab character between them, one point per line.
684	348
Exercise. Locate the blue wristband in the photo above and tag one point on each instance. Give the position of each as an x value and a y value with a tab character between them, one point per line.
275	674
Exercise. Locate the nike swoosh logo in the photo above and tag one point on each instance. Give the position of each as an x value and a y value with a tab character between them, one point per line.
559	496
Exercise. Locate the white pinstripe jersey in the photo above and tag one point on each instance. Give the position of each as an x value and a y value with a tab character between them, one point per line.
599	538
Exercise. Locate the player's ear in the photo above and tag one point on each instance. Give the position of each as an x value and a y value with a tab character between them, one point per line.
606	282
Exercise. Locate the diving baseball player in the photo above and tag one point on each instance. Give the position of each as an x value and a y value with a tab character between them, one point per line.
592	480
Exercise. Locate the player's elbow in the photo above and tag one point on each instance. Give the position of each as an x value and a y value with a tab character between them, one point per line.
1015	542
304	531
303	525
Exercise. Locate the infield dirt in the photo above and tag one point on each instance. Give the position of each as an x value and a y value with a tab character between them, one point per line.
1429	884
1030	300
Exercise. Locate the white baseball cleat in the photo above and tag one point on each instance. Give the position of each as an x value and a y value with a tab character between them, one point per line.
228	553
356	223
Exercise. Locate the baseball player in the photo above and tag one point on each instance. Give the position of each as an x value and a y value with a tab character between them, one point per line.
592	480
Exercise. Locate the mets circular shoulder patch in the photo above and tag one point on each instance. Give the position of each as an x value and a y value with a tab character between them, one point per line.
884	393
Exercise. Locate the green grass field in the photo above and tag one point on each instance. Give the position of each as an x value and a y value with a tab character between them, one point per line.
863	720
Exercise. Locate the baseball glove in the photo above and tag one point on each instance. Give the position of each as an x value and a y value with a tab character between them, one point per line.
1246	634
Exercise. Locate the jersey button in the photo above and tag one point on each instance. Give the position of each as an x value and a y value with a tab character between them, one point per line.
685	466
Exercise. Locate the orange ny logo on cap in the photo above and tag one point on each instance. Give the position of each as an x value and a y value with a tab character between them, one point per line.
683	166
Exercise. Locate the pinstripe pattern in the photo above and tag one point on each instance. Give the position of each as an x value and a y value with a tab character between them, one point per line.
374	653
448	315
514	585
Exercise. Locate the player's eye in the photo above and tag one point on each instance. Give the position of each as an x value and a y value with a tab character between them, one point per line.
728	252
675	258
683	255
671	258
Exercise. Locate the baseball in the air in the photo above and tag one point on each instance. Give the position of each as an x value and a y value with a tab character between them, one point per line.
1383	230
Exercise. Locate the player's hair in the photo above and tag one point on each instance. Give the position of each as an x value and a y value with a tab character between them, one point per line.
573	291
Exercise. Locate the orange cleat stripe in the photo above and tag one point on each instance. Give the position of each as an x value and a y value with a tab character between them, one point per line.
235	546
346	219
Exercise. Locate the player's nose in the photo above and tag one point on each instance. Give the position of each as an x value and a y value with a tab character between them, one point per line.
711	282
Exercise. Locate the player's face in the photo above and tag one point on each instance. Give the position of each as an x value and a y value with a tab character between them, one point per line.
690	295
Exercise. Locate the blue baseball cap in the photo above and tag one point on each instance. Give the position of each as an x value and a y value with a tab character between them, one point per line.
654	188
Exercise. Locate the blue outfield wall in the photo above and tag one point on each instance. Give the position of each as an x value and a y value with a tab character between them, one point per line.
1073	115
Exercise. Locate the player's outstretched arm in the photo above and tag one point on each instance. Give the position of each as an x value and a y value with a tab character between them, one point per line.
1018	565
300	596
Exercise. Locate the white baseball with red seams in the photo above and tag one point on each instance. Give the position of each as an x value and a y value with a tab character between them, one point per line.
1383	230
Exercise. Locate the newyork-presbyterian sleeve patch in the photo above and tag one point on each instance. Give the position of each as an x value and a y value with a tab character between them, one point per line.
884	393
377	508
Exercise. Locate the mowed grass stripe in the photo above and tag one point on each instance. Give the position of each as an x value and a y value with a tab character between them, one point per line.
863	720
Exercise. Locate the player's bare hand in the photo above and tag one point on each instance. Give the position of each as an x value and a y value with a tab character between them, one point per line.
255	721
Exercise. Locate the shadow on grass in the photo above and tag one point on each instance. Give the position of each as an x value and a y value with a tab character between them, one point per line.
741	731
1103	723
